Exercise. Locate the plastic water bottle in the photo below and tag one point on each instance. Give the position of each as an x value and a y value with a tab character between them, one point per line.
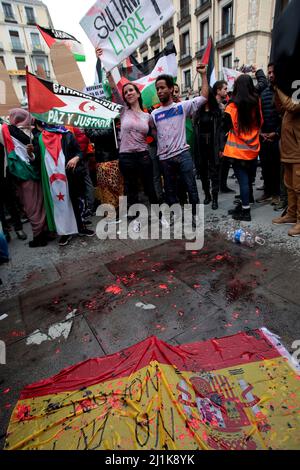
244	237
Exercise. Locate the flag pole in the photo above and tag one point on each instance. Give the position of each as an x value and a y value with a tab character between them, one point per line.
28	100
115	133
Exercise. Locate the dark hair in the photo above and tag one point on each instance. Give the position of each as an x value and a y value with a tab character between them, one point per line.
167	78
246	99
218	86
137	90
271	64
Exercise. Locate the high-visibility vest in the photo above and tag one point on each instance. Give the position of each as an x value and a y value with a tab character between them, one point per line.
241	145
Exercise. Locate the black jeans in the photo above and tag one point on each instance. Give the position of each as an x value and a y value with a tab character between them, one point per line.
135	166
245	172
182	166
9	200
270	163
207	167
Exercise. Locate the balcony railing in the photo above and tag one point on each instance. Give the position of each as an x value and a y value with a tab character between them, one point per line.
38	48
185	53
155	39
225	35
184	12
184	15
168	27
17	47
201	6
200	48
10	19
31	21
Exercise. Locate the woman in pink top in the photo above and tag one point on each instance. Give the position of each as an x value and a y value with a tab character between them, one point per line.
135	161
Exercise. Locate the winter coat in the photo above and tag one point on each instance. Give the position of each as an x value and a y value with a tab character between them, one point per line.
290	131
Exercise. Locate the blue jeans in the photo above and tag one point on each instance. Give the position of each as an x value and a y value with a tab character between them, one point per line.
181	165
245	172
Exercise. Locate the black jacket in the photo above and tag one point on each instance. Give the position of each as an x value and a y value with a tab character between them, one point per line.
272	120
105	144
217	137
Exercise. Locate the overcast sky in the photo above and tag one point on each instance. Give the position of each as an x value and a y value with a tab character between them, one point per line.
66	15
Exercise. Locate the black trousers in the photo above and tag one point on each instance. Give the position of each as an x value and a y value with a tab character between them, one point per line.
270	163
134	167
208	169
9	200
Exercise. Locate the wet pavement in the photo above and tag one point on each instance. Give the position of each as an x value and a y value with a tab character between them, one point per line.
99	301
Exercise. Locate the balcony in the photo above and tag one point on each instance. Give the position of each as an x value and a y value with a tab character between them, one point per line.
201	6
168	28
184	16
225	37
200	49
155	39
10	19
185	56
38	49
31	21
143	47
18	47
47	72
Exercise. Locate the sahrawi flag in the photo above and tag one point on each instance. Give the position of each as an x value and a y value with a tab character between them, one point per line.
209	60
145	75
60	105
52	35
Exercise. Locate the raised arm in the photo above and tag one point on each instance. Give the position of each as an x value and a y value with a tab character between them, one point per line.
288	103
205	86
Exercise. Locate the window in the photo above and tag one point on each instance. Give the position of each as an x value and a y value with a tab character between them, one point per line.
227	61
15	41
21	63
204	32
185	45
36	43
145	59
30	15
156	52
227	20
170	43
8	11
24	91
187	79
2	60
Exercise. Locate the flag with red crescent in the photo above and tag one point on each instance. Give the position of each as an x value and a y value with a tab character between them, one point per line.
60	105
235	393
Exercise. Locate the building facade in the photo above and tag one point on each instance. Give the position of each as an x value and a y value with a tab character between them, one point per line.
241	30
20	42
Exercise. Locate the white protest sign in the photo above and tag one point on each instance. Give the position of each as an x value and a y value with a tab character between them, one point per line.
119	27
230	76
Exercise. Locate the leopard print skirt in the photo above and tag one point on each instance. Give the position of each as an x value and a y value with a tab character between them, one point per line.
110	183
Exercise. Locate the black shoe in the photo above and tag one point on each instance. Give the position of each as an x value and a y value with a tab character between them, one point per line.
243	216
21	235
85	232
215	205
207	199
7	237
236	210
227	190
38	242
65	240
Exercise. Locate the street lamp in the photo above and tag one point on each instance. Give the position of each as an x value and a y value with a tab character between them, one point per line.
236	63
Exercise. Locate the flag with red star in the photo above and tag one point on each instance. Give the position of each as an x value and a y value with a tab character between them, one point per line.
144	74
60	105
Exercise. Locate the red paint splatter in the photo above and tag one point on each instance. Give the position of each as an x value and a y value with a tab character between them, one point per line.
6	391
197	286
163	286
219	257
23	413
113	290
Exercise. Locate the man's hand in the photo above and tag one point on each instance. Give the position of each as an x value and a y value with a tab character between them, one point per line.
30	150
254	68
73	163
264	136
271	136
99	52
201	68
